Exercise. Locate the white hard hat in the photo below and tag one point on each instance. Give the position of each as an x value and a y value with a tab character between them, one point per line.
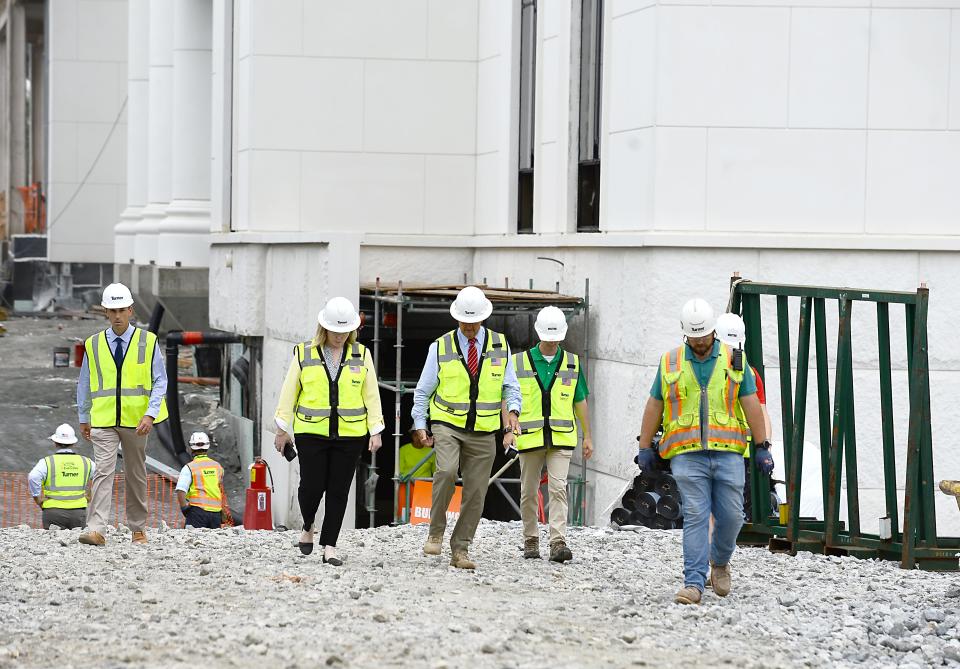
731	330
199	441
471	306
64	435
339	316
116	296
551	324
696	318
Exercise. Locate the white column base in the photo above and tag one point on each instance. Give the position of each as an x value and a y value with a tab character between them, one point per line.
145	245
184	239
124	235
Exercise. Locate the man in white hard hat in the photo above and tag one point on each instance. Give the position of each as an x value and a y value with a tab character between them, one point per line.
58	483
698	396
200	486
466	377
554	396
120	395
732	331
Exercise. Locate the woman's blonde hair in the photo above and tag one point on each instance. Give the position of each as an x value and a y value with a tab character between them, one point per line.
321	336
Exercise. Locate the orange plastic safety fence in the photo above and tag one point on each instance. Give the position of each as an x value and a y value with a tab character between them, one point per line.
18	508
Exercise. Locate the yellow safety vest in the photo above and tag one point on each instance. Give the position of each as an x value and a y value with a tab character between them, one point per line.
682	398
410	455
317	403
554	410
464	402
65	485
206	485
121	401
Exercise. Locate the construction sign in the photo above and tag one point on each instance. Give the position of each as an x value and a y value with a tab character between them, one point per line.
421	501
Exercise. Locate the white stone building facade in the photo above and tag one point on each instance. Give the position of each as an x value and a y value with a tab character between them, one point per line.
297	148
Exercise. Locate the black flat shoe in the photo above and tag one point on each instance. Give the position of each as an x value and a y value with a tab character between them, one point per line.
305	548
336	562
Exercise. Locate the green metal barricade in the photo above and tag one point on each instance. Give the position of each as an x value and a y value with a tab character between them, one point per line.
918	543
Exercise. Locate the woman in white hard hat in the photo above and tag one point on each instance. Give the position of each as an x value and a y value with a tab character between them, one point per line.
732	331
330	403
58	483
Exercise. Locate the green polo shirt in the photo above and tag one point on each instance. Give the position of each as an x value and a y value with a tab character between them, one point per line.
545	371
704	369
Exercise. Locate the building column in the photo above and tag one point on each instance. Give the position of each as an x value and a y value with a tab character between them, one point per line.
184	233
138	71
160	131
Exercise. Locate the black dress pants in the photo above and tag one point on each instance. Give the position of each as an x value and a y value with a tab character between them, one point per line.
327	466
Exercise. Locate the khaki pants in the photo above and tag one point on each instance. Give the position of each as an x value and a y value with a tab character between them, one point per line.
106	441
557	461
474	453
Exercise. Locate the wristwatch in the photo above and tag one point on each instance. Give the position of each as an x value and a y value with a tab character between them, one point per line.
765	444
515	412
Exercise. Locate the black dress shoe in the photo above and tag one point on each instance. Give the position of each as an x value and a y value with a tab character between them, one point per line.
336	562
305	548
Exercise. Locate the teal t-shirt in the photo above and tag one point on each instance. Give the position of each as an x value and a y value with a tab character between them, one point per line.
545	370
704	368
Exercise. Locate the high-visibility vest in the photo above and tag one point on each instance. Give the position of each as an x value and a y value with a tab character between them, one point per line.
462	401
65	485
550	407
410	455
682	399
121	400
317	403
206	484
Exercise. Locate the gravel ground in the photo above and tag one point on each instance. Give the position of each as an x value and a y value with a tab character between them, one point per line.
231	598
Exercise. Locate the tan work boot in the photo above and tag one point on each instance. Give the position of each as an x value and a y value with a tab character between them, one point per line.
461	561
687	595
559	551
720	579
139	537
432	547
92	538
531	548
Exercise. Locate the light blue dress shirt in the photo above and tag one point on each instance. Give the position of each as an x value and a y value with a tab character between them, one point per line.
157	392
429	380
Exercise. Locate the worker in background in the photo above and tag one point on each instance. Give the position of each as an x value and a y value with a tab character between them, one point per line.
732	332
467	374
120	395
554	396
698	395
200	486
410	454
330	403
58	483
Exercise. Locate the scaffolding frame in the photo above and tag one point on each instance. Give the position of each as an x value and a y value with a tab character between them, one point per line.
414	301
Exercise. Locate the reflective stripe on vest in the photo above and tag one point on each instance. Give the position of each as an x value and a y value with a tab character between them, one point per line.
682	398
65	485
206	483
464	402
556	412
122	406
317	404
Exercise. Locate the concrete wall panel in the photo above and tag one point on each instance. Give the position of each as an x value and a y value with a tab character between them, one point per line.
450	184
297	287
632	67
680	179
452	30
238	288
372	29
629	183
413	265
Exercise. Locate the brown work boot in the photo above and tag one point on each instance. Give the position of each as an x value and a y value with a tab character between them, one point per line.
139	537
720	579
92	538
461	561
687	595
559	551
531	548
433	545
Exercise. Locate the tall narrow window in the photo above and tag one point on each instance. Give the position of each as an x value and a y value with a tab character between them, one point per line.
588	171
528	62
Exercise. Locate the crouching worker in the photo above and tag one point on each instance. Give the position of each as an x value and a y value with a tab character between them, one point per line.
58	483
200	486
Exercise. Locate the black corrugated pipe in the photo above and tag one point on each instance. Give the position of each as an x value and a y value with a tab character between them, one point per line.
155	317
174	340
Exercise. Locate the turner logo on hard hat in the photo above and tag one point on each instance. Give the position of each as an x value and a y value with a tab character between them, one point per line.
696	318
339	315
116	296
471	306
551	324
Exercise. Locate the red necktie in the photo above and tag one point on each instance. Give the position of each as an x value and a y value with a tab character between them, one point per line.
472	360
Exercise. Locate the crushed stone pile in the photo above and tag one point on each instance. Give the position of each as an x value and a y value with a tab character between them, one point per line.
238	599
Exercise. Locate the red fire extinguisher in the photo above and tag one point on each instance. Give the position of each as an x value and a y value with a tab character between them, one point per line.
257	514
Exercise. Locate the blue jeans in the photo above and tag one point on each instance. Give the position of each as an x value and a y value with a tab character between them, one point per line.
710	482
